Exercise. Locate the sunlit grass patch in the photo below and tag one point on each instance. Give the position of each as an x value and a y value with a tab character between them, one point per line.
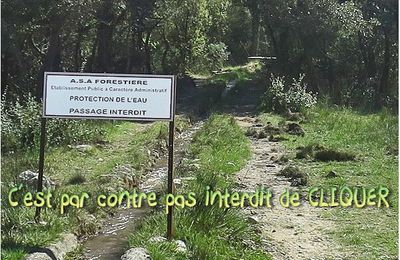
209	232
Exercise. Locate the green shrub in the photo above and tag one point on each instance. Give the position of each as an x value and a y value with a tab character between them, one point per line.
281	98
217	55
20	124
21	127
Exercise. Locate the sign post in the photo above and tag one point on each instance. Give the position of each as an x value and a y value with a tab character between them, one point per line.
171	188
41	163
135	97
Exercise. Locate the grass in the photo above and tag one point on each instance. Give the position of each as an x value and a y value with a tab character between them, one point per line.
128	144
371	233
209	232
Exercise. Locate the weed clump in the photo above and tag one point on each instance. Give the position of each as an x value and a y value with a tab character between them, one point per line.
277	138
262	135
331	174
77	178
308	151
294	129
272	130
251	132
295	175
283	159
320	153
333	155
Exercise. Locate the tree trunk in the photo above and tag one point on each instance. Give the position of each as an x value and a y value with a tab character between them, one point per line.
77	50
104	34
383	86
255	30
147	53
167	47
52	60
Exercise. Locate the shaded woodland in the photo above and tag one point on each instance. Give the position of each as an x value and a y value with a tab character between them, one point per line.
347	49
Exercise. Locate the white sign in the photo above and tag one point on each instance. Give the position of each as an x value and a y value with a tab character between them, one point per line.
109	96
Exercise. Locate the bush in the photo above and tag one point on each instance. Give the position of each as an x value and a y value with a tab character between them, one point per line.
21	127
20	124
280	98
209	57
217	55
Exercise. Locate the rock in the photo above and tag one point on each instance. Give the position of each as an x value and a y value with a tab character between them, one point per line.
84	148
66	244
38	256
157	239
180	246
253	220
137	253
30	178
178	182
58	250
187	179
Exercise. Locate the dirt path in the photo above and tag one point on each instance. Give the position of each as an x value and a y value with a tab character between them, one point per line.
289	233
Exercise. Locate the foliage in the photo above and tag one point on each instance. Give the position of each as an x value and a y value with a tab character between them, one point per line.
336	44
281	98
347	49
21	127
217	56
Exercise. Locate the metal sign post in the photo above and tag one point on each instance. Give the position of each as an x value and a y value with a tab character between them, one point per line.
171	188
41	164
110	96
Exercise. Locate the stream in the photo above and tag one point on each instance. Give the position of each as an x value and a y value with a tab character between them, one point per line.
112	241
